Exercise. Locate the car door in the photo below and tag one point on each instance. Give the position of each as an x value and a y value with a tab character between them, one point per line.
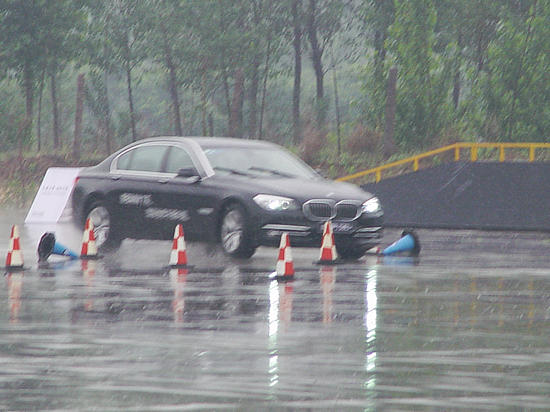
185	199
138	174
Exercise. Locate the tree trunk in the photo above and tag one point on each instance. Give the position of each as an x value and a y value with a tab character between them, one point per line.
297	44
28	85
107	113
225	75
316	59
39	114
55	112
379	46
210	124
227	95
456	83
480	52
79	108
131	103
456	88
253	99
254	76
388	143
203	105
264	88
336	105
172	85
235	118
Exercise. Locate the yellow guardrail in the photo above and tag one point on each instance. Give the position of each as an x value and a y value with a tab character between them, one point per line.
456	147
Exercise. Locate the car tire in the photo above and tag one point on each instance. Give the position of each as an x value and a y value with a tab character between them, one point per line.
350	251
234	232
107	237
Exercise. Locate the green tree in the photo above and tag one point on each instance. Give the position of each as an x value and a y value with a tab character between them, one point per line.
98	53
23	51
421	87
323	21
378	16
518	84
61	30
127	28
297	31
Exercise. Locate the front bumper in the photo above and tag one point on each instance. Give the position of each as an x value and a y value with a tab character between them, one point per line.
360	231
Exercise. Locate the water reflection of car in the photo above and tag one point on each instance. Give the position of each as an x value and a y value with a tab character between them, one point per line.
241	193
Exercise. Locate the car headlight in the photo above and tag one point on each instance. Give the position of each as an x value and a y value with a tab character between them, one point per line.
275	203
371	206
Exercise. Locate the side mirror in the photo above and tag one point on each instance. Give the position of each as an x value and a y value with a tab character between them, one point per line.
188	172
321	173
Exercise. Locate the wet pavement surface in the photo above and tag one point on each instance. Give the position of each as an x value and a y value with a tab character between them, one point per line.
463	327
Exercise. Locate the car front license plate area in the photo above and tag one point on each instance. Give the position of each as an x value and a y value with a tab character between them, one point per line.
340	227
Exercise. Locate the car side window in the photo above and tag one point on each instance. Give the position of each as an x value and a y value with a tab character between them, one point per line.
123	161
178	159
144	159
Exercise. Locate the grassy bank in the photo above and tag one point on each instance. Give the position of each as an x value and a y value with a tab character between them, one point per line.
20	176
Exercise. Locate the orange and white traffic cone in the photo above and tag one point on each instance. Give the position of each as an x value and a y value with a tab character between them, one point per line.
89	248
285	265
374	251
328	253
14	259
178	256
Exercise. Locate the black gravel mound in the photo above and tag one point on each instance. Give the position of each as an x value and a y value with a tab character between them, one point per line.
464	195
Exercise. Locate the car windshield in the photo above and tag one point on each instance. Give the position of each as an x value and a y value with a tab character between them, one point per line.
257	161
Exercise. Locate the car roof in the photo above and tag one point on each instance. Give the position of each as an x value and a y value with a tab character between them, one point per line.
210	141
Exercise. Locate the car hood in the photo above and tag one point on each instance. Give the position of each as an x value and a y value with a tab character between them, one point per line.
299	189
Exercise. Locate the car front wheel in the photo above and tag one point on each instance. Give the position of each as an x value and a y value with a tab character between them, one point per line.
106	237
235	234
350	250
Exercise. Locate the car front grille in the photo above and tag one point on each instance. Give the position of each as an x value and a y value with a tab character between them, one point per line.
319	210
346	211
325	209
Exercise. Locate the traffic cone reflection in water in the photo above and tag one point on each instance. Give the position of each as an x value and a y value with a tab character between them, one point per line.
15	285
14	258
327	278
178	278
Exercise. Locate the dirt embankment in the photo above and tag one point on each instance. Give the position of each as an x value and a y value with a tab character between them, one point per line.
20	177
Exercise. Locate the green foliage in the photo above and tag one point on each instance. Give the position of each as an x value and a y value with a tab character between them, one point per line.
12	115
518	85
467	70
421	78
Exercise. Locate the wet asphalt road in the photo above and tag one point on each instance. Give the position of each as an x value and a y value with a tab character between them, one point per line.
464	327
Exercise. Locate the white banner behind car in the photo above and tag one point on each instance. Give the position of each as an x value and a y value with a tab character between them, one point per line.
52	197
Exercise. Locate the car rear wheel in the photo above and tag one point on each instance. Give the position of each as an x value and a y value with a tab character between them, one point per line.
106	236
235	233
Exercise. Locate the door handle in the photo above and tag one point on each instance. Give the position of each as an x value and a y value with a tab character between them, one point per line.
162	181
115	177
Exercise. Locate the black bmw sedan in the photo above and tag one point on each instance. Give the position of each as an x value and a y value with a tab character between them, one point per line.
241	193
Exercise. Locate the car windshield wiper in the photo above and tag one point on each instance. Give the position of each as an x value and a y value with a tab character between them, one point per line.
232	171
273	172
